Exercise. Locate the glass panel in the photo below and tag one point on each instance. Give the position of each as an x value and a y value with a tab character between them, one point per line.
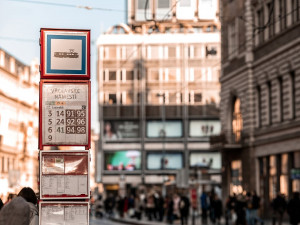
153	75
236	177
273	177
237	122
112	98
163	4
112	52
129	75
284	164
172	52
172	75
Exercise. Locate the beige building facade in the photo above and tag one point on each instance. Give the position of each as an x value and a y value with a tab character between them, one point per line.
19	97
159	95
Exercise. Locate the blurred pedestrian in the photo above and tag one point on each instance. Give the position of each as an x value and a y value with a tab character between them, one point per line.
15	212
99	207
240	210
28	194
230	214
176	212
138	207
1	204
217	208
109	205
279	206
255	207
150	207
170	209
293	209
204	206
184	207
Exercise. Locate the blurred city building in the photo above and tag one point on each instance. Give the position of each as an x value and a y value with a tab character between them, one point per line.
260	96
159	96
19	96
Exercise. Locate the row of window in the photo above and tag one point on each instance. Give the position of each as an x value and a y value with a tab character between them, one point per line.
271	18
277	99
155	97
204	74
161	52
7	164
274	17
185	9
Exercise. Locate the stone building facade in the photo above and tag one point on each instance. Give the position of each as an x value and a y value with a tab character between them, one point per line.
260	97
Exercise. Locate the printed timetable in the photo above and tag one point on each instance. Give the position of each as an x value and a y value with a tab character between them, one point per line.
65	114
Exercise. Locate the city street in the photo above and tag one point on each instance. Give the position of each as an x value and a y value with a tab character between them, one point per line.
95	221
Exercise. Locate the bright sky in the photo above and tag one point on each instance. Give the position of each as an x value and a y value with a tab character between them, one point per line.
21	20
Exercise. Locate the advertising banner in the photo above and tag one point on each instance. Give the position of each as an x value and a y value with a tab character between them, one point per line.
205	160
118	130
64	113
204	128
122	160
160	129
160	161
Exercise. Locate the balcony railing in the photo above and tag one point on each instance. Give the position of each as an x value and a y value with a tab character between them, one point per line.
228	137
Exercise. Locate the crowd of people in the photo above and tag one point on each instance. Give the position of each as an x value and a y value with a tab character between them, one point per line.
20	209
242	209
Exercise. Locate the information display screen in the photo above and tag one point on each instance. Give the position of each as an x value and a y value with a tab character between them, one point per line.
64	174
160	161
122	160
65	112
207	160
64	213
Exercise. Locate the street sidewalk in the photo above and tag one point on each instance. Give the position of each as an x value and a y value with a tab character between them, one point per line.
177	222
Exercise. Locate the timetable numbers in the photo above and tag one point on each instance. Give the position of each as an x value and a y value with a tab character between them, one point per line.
70	113
80	121
80	113
60	113
80	130
71	130
70	122
76	121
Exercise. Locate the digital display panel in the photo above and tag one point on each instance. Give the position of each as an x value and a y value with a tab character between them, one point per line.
118	130
160	161
161	129
206	160
204	128
122	160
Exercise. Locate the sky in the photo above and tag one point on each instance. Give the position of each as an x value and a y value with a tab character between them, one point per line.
21	20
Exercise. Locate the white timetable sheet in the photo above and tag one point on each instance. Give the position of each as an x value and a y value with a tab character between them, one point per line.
64	185
63	214
65	113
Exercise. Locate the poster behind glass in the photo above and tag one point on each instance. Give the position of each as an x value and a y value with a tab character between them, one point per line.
122	160
206	160
157	161
118	130
204	128
160	129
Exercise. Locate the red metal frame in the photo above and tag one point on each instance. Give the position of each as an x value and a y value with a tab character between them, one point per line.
87	82
65	153
63	76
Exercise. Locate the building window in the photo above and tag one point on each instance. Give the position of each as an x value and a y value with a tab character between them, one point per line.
236	177
271	14
232	39
172	52
129	75
142	4
3	164
197	74
260	23
154	52
198	52
272	177
295	11
172	75
282	14
127	98
237	120
112	75
185	3
112	99
293	94
153	75
163	4
172	98
258	91
284	178
197	98
110	53
280	96
269	85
